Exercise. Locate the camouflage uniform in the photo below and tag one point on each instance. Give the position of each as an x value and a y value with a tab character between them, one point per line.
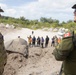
3	56
66	52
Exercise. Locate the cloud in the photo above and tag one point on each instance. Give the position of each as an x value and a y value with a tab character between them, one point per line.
11	11
56	9
3	5
7	10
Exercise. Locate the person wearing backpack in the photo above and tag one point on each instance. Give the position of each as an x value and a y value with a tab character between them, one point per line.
66	52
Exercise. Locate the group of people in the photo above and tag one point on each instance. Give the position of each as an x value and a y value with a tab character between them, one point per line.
55	41
39	41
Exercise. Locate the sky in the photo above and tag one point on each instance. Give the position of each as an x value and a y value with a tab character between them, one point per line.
35	9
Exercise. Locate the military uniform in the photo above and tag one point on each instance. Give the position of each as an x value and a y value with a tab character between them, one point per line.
66	52
3	56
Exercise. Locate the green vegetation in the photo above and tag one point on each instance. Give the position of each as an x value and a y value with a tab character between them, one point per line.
37	24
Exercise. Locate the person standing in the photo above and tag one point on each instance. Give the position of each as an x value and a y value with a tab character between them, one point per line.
33	41
46	41
3	55
42	42
53	41
56	40
59	40
38	41
30	40
66	52
32	32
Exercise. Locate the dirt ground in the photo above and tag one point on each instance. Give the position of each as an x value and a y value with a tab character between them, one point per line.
39	62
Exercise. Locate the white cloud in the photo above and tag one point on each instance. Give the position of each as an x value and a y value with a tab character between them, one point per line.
42	8
3	5
11	12
7	10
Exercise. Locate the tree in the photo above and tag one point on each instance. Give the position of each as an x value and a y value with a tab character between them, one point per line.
22	18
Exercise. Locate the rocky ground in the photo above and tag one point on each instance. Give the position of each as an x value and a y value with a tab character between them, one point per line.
39	62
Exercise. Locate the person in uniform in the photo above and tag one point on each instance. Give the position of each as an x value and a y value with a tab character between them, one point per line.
66	52
3	55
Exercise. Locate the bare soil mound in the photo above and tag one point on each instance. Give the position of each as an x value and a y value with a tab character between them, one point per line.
39	62
14	63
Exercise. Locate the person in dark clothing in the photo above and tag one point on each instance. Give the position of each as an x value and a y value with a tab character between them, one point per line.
32	32
3	54
33	41
46	41
42	41
38	41
53	42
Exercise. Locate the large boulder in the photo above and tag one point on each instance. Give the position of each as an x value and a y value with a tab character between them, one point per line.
18	45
